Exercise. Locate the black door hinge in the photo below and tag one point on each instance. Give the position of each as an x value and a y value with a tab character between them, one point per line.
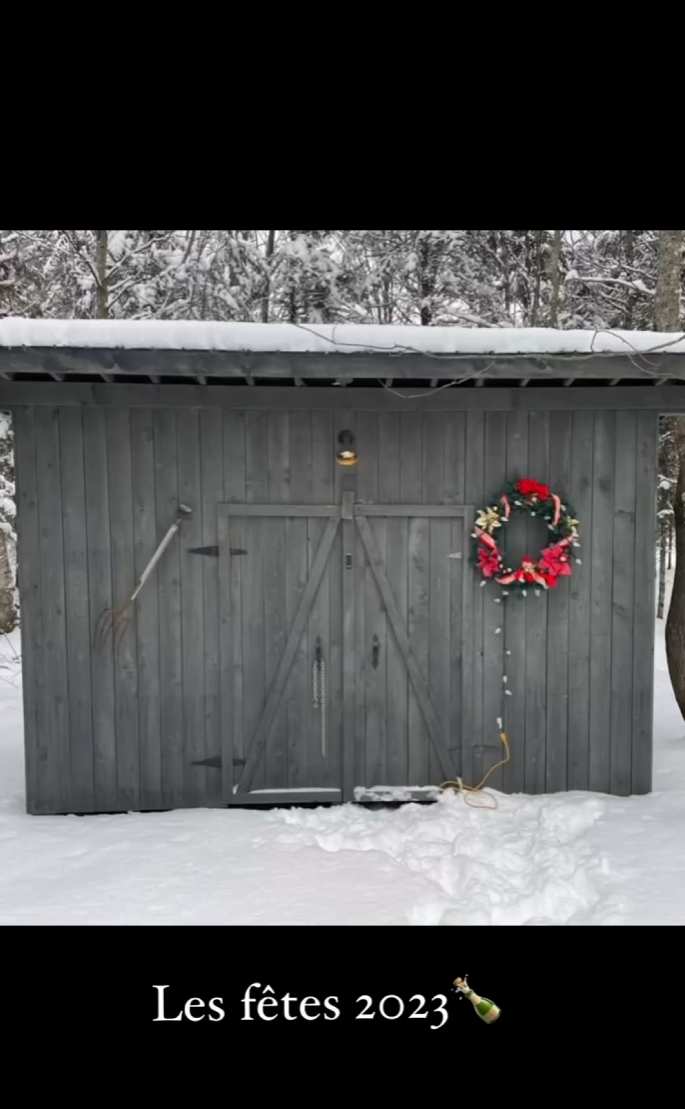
217	763
213	552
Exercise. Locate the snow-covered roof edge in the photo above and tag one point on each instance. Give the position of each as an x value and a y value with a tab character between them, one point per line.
326	339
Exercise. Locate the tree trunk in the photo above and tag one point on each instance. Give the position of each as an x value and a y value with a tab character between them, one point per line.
8	612
555	273
102	266
630	259
662	572
426	283
669	281
537	288
192	235
670	545
668	319
270	250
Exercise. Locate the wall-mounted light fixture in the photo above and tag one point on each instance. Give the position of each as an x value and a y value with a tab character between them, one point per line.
347	455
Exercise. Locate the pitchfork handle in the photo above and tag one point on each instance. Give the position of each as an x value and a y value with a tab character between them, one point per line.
162	548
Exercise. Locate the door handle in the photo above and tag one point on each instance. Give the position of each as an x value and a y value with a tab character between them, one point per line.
376	653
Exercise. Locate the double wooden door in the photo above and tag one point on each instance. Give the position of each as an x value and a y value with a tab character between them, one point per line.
343	661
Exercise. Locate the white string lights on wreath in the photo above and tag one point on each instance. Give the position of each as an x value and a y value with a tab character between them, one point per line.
541	574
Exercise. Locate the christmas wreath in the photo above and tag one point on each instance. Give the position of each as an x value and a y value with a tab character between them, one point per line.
555	561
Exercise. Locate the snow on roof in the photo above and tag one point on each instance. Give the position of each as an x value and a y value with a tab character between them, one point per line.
325	339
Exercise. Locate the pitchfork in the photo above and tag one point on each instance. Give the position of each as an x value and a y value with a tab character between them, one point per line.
113	621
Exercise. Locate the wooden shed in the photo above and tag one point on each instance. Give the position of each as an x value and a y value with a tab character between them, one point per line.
316	631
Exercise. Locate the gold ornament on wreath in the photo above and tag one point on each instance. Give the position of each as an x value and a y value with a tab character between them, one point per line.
552	564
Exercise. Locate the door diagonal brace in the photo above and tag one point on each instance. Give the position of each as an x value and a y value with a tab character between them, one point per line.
268	716
411	662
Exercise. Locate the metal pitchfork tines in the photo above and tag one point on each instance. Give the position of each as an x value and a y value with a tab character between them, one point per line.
111	625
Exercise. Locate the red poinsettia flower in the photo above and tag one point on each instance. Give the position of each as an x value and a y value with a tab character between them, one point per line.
555	561
530	488
489	562
551	579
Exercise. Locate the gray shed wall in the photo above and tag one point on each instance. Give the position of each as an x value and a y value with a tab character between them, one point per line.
98	488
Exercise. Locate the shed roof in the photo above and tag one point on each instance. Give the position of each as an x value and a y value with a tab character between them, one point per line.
286	338
84	349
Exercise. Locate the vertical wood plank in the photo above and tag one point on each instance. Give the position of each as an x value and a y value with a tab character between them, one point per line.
147	609
58	760
192	612
342	755
361	569
420	747
536	625
235	457
123	584
457	568
418	559
643	631
100	584
79	628
472	727
257	488
170	614
460	543
514	615
349	751
230	645
376	634
275	614
326	475
580	614
389	492
623	602
411	459
32	637
232	616
454	424
299	688
494	616
319	625
440	602
212	479
602	590
561	437
434	457
439	595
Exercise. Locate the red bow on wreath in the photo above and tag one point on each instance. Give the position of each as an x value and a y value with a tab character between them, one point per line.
530	488
528	574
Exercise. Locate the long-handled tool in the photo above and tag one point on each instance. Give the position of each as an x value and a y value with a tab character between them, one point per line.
112	622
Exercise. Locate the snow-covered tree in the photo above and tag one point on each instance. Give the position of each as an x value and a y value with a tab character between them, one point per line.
611	280
411	277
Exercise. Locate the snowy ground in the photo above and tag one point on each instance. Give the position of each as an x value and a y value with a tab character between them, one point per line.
574	859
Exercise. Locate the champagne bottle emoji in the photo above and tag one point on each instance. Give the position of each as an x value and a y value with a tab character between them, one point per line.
487	1010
